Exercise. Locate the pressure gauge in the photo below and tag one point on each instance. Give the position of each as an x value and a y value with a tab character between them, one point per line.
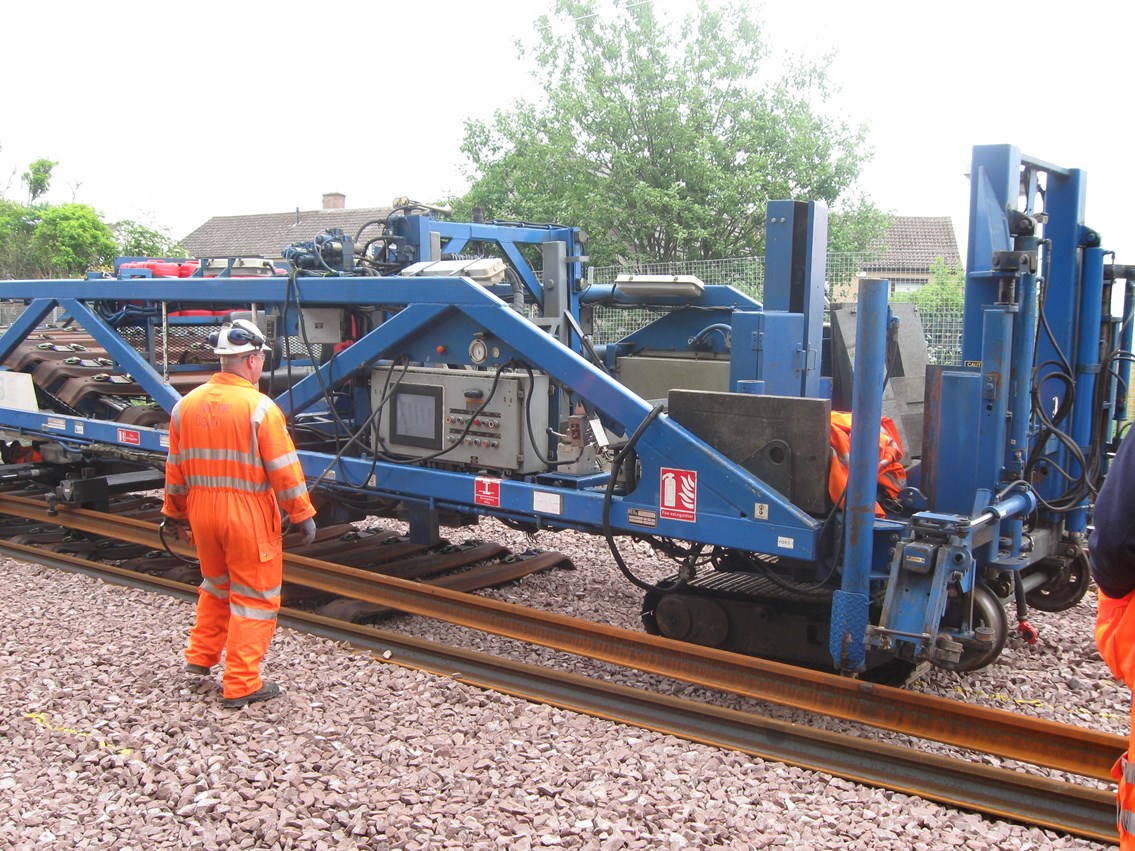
478	351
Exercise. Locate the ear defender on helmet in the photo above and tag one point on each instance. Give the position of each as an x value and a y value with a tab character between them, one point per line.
237	338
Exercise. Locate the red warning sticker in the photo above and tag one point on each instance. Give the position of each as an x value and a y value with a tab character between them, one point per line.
134	438
678	494
487	492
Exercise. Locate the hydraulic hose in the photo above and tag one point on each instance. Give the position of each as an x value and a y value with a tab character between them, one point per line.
616	467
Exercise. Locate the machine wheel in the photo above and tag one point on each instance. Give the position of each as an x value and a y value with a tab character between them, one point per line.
988	612
1067	587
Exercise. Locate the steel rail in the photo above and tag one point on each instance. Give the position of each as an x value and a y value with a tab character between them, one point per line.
999	792
1063	747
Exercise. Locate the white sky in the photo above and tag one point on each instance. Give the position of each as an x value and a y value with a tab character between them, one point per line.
173	112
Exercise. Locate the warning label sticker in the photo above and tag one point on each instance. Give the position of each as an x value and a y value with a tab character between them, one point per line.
678	494
487	492
129	436
547	503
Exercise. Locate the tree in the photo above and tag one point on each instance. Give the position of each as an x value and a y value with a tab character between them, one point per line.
856	227
40	240
38	178
945	291
16	227
67	240
663	142
135	239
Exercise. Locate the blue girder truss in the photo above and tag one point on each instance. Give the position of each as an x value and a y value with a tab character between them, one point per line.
980	436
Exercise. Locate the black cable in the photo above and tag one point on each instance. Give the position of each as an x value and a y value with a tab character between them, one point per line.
1079	486
675	551
804	588
1019	597
286	350
547	462
166	547
366	225
354	437
616	467
325	390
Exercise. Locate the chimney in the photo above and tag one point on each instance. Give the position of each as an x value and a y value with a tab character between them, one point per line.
334	200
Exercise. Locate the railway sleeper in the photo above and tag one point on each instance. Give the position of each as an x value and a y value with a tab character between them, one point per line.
506	569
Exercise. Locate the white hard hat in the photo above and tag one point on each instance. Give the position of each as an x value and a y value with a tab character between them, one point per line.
237	338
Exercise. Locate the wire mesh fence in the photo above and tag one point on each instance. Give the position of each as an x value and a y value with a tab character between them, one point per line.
942	327
10	311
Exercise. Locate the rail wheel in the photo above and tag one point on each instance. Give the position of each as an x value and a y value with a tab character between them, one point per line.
1068	585
987	612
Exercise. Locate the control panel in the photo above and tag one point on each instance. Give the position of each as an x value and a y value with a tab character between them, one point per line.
459	417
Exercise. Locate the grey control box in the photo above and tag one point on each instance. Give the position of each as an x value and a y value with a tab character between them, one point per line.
459	417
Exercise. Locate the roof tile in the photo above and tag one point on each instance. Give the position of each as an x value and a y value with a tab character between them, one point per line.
912	242
267	234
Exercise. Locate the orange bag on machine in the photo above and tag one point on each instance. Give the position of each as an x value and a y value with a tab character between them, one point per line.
892	474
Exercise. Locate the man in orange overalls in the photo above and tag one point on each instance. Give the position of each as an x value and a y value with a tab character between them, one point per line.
231	467
892	474
1112	550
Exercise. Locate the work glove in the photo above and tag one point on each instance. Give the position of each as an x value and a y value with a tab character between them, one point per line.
178	529
307	531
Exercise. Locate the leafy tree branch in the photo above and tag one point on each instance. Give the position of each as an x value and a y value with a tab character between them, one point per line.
665	140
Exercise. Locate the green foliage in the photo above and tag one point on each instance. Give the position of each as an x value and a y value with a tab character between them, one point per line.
39	240
38	178
857	228
48	241
17	223
135	239
68	240
944	292
663	141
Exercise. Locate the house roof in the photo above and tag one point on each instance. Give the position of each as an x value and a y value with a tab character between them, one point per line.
267	234
912	242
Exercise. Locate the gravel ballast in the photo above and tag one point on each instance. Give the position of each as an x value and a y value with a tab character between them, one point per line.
106	743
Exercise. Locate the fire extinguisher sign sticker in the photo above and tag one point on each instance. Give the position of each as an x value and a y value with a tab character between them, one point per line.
678	494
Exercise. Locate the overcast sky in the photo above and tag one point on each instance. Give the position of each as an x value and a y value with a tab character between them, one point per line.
172	113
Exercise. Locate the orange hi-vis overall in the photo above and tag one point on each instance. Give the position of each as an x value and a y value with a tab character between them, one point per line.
231	467
1115	637
892	474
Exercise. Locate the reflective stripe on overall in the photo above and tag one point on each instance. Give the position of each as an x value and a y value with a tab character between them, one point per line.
1115	637
231	466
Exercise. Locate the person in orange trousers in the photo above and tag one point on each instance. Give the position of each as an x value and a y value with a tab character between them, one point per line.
231	467
1111	548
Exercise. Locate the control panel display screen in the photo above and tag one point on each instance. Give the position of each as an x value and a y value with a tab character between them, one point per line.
415	416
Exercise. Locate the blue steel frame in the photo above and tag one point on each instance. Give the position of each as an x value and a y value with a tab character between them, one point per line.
976	520
1003	181
428	316
508	237
431	320
438	311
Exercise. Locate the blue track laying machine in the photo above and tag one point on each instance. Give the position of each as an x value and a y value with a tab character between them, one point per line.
439	372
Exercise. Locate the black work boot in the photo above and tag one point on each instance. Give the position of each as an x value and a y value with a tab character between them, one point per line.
265	692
